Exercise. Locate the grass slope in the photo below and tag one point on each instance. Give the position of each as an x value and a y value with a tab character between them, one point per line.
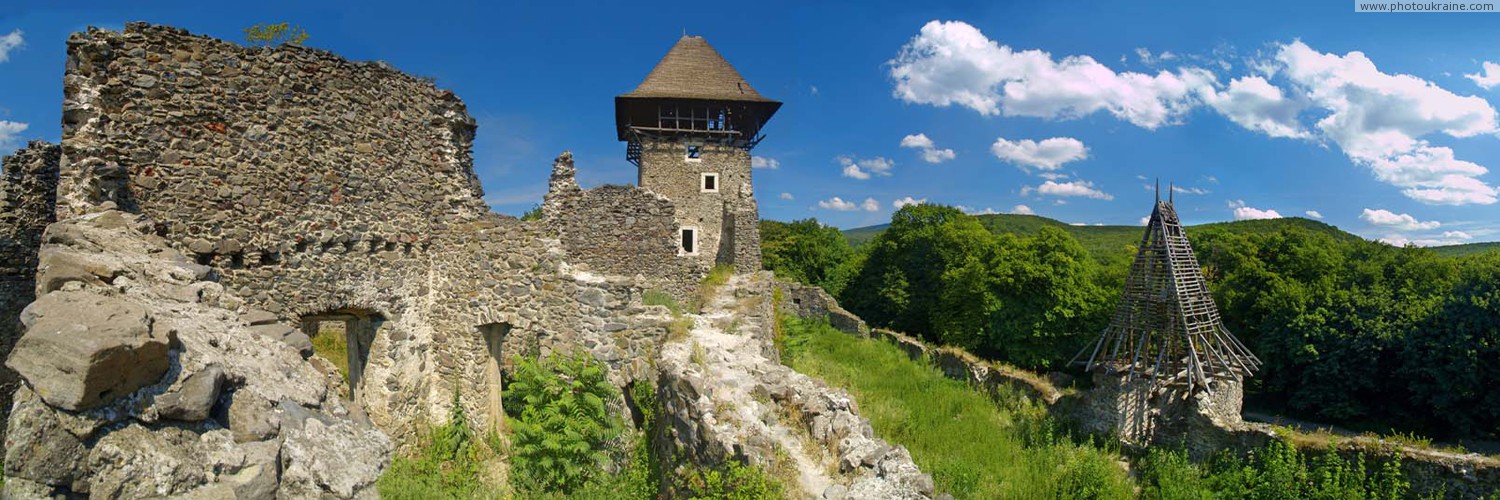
973	447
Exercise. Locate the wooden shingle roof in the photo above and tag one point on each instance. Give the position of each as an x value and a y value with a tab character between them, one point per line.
694	70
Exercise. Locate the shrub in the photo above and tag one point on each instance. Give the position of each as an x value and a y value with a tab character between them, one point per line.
563	433
1277	470
275	34
446	464
731	481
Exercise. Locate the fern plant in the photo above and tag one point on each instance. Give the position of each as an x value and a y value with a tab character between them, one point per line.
563	432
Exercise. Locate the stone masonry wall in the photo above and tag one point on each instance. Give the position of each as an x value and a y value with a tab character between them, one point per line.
507	271
259	157
620	230
310	183
28	195
727	220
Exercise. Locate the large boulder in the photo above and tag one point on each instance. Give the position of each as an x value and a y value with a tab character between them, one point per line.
319	454
82	349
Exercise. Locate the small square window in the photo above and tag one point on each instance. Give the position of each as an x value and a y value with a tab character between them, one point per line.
688	241
694	152
710	183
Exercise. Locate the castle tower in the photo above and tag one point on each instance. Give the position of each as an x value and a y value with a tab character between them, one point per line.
1166	360
689	128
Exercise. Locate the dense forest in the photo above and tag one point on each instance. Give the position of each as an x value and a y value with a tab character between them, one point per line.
1352	332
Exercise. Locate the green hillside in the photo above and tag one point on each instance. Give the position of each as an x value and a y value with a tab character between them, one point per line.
1104	240
1467	249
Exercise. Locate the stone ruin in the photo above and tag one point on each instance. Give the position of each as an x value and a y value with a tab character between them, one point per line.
211	206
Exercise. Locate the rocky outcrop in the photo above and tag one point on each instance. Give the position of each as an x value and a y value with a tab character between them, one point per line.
142	380
726	395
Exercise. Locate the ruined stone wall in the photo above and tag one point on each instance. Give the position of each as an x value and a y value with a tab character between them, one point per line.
262	157
812	302
620	230
28	195
310	183
511	272
727	220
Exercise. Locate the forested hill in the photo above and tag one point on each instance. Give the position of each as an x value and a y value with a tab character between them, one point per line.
1467	249
1103	240
1351	332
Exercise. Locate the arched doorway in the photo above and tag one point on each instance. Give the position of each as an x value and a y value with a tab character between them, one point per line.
344	336
494	336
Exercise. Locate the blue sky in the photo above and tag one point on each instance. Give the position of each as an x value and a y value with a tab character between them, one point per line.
1382	124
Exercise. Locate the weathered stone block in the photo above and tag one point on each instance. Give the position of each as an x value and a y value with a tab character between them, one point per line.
83	350
195	399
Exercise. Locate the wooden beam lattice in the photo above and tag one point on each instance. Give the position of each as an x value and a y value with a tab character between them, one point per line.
1167	326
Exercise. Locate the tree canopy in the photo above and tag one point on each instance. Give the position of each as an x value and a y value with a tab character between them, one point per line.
1351	332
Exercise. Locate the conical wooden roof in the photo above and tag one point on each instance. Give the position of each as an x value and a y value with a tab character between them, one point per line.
1167	325
694	70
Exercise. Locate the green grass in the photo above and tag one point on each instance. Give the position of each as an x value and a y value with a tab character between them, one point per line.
972	446
715	278
654	297
333	345
680	325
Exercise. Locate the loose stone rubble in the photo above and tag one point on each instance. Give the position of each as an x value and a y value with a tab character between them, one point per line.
727	395
133	376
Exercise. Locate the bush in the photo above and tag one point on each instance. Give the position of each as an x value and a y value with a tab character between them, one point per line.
731	481
446	464
270	35
1277	470
563	434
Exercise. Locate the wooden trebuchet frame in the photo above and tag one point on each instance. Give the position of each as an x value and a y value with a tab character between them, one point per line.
1167	326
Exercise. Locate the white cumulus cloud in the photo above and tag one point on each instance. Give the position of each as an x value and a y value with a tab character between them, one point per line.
870	205
765	162
1022	209
1244	212
1457	235
787	196
953	63
863	168
1378	120
1075	188
1049	154
976	211
10	133
1253	103
901	202
1488	77
1314	214
1391	219
9	42
930	152
836	203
